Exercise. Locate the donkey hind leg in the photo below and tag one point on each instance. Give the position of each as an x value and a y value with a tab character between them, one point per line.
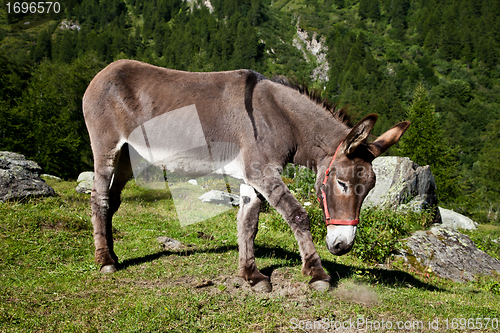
105	202
280	197
248	220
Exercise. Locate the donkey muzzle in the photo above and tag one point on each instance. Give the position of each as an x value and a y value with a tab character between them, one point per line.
340	238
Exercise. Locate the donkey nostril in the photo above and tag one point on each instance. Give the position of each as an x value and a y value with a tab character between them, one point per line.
337	245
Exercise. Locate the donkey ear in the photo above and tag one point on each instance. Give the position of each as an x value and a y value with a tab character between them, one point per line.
387	139
358	134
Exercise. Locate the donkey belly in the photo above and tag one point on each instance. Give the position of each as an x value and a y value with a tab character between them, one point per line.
175	143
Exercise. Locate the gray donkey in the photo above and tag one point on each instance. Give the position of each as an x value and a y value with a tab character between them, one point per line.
271	123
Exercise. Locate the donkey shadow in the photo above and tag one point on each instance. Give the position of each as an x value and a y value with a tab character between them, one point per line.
337	272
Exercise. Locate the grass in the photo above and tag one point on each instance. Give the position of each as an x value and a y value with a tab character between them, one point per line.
49	281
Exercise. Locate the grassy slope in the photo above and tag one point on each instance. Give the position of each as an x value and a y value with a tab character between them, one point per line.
49	282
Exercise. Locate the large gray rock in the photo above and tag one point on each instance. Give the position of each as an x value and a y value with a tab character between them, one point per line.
402	184
449	254
85	182
20	178
220	198
455	220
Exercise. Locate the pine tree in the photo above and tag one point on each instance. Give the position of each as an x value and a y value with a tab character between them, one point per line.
43	46
488	159
245	46
424	144
364	8
374	10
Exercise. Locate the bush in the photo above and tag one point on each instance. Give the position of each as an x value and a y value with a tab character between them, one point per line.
380	232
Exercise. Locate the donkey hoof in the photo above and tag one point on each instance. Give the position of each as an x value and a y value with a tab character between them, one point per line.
263	286
108	269
320	285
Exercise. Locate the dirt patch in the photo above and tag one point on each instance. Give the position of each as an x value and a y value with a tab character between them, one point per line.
235	285
357	293
64	224
282	286
52	226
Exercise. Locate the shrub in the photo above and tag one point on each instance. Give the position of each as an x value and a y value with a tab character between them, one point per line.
380	232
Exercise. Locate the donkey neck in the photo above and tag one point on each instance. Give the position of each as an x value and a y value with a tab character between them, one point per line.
317	133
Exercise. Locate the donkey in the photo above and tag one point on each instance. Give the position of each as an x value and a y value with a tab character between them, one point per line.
271	123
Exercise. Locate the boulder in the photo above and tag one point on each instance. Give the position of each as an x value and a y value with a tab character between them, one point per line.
220	198
448	253
20	178
404	185
455	220
85	176
85	182
52	177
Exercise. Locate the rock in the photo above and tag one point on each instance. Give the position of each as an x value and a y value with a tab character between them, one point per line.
85	182
193	182
220	198
448	253
87	175
203	283
317	47
170	243
66	25
202	235
456	220
20	178
404	185
51	177
85	187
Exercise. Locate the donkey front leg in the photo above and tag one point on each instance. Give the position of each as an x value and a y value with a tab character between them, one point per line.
280	197
248	220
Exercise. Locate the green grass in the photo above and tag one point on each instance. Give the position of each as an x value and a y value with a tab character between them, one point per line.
49	281
487	238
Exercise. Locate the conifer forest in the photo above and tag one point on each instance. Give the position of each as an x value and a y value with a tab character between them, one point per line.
435	63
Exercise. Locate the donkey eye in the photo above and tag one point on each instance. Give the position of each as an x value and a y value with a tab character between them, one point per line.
343	185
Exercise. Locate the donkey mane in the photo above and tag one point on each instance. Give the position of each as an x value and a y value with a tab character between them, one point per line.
314	94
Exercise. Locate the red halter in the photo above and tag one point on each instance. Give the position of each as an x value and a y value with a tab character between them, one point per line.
329	220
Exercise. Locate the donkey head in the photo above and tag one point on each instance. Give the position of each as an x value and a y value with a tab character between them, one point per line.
348	179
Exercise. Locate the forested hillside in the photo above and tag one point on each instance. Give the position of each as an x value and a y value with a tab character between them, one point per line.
436	63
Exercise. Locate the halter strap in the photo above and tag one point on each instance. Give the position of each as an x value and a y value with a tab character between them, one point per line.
329	220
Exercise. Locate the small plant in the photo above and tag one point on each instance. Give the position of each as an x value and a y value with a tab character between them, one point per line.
380	231
495	288
486	238
300	180
318	228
